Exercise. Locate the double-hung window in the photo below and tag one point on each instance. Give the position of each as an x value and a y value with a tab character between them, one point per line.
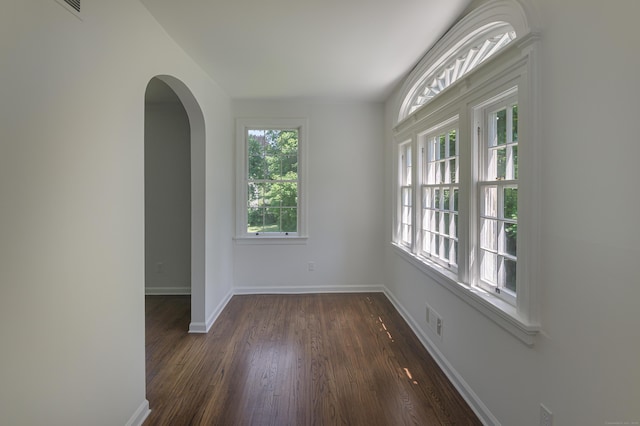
439	191
497	137
270	182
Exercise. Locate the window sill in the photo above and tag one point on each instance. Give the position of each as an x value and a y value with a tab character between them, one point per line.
271	240
494	308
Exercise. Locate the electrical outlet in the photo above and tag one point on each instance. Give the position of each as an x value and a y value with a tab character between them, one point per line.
434	321
546	417
311	266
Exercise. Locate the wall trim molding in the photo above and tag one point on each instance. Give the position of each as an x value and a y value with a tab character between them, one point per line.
310	289
168	291
456	379
140	415
199	327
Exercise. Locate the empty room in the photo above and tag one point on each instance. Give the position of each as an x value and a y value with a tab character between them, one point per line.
314	213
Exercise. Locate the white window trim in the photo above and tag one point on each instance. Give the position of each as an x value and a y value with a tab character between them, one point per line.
515	65
242	125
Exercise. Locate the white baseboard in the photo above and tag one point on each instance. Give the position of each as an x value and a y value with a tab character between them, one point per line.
310	290
199	327
140	414
458	382
167	291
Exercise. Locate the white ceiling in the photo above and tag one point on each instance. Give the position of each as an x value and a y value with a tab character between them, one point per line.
352	49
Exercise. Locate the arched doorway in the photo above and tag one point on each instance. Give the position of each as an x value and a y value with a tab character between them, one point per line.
175	194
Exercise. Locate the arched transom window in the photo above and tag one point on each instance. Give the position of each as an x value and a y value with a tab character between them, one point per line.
463	58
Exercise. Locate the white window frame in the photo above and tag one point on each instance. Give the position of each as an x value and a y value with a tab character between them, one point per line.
243	125
427	182
513	67
484	133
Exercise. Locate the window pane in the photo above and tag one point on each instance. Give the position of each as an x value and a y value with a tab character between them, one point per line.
511	203
501	127
436	198
455	199
446	197
454	225
445	249
488	270
511	237
289	219
406	196
489	234
259	194
426	216
284	194
447	224
437	222
453	171
257	164
289	166
514	121
515	161
501	170
427	198
255	220
453	254
272	220
442	147
510	274
490	201
443	172
452	143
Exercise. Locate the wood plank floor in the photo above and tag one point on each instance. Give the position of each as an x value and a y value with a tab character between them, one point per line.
322	359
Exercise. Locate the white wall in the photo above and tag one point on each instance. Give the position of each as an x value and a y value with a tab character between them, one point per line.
167	197
344	198
585	364
72	209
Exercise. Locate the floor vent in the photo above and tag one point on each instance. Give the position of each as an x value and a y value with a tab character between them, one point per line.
72	6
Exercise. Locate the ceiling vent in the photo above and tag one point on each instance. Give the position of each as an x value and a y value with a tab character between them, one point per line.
72	6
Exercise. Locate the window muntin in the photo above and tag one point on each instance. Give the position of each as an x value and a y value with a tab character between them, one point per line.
272	181
439	163
498	195
406	194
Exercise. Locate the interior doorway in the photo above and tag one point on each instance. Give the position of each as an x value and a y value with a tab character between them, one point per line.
167	177
174	166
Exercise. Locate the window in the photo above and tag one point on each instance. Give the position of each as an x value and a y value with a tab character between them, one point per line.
497	136
439	194
467	217
482	46
270	180
406	195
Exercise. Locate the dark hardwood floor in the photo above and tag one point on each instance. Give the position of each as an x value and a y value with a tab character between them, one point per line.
322	359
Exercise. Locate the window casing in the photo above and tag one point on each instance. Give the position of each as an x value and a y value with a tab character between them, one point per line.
271	171
482	243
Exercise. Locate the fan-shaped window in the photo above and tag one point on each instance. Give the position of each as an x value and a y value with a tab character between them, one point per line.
462	59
